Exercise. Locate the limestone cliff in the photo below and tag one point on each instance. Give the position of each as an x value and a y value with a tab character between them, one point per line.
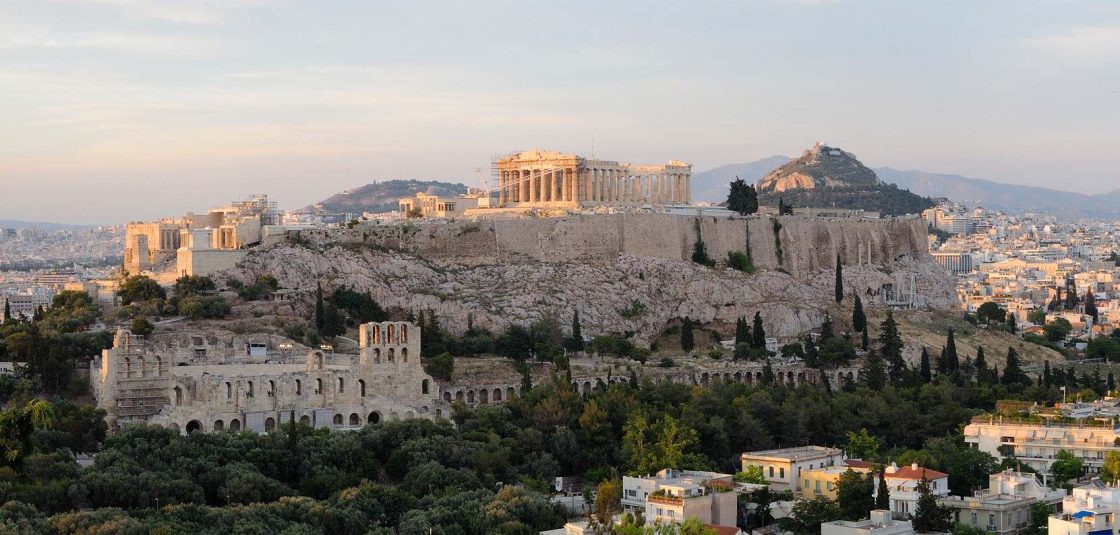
622	272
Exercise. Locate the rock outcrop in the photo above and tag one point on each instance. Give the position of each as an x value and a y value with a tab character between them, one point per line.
818	167
624	274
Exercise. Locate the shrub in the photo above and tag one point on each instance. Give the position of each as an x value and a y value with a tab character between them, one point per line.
740	262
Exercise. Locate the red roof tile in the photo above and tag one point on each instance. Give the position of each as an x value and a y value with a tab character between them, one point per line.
907	472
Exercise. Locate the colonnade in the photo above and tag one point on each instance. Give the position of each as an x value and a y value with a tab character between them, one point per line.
592	184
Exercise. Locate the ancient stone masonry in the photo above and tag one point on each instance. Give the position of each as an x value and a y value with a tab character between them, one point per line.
191	391
537	178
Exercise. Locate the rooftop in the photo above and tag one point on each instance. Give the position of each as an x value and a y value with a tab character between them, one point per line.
800	453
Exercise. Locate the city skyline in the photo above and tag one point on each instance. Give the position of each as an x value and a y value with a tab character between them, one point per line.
185	105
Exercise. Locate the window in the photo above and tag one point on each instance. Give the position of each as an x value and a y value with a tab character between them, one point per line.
299	387
271	388
424	389
817	489
229	391
362	387
318	386
341	385
782	472
248	391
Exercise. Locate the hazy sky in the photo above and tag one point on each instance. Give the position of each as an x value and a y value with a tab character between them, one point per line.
113	110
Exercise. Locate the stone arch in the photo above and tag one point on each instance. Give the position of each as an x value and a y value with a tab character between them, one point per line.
470	396
727	377
392	334
374	417
159	366
424	409
376	334
317	360
341	385
318	386
174	426
851	377
235	425
497	395
249	389
409	415
391	356
272	388
140	364
739	377
305	420
219	425
178	396
510	392
193	425
361	387
789	377
337	419
355	421
269	424
447	397
377	355
393	416
439	413
586	388
424	386
483	396
704	378
404	355
801	378
459	395
299	387
128	369
404	337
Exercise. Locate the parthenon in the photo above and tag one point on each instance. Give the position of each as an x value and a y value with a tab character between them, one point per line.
539	178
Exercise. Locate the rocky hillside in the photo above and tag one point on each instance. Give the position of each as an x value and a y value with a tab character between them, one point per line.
383	196
639	292
826	176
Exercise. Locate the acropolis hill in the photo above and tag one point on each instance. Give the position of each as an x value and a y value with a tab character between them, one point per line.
622	272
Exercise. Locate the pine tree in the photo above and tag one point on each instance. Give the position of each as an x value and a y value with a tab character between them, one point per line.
839	280
890	346
951	362
577	333
687	341
923	369
930	516
883	496
859	319
742	197
758	334
320	320
981	366
873	371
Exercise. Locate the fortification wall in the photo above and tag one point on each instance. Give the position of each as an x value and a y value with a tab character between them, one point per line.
796	244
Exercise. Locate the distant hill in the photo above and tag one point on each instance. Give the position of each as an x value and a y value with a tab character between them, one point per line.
383	196
711	185
41	225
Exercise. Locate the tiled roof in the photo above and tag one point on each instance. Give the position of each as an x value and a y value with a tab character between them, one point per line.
908	472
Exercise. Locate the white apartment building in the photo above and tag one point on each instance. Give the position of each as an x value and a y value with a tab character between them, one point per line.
1024	484
902	482
782	467
1001	514
1090	510
1037	444
677	495
880	523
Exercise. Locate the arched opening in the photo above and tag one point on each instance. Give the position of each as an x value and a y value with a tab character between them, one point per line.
299	387
377	355
409	415
318	386
127	367
159	367
354	420
404	339
510	392
459	396
404	355
376	336
319	359
174	427
586	388
361	387
447	397
374	417
497	395
439	413
305	420
219	425
178	396
801	378
229	390
704	378
392	334
483	396
248	390
341	385
470	396
424	386
391	356
338	419
140	365
271	388
789	377
235	425
269	425
193	425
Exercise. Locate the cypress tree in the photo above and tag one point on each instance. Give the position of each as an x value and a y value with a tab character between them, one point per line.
951	362
7	310
923	369
883	496
890	346
687	341
826	328
742	332
577	334
1111	382
320	320
1011	326
839	280
864	343
1047	378
859	319
1011	372
981	366
758	334
1091	306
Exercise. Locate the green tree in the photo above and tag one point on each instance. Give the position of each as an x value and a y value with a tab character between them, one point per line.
854	495
753	474
890	347
1065	467
839	285
873	371
929	516
758	333
441	366
859	319
687	341
1037	316
740	262
138	288
1057	329
952	363
142	327
608	501
862	445
981	365
990	313
700	254
883	493
1110	471
806	516
742	332
742	197
576	339
1012	373
1091	306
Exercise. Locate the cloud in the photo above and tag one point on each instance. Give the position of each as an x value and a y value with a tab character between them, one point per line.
139	44
1083	42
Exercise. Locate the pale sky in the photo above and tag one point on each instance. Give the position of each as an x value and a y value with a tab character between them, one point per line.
131	109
